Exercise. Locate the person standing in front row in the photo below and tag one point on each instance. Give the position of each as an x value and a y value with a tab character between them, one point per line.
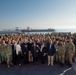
14	55
18	52
43	53
51	52
24	48
35	50
30	43
3	51
61	53
69	49
9	54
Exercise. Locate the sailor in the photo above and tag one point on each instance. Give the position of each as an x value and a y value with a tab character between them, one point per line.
70	51
61	53
3	51
9	54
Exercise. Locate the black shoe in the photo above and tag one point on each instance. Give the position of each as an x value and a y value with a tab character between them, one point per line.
73	60
56	62
19	64
37	63
62	65
67	63
70	65
34	63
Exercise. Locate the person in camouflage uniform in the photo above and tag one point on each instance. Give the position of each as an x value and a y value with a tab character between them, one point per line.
3	51
56	54
61	53
69	52
73	53
9	54
74	40
66	48
0	55
71	40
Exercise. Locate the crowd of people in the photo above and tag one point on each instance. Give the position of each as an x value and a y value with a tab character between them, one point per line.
18	49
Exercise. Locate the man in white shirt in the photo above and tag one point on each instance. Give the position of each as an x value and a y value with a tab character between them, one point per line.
18	52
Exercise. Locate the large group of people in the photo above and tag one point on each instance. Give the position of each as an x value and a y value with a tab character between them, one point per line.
18	49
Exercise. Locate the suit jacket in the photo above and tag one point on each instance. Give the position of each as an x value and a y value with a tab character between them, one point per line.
52	50
35	51
44	50
13	49
29	46
24	47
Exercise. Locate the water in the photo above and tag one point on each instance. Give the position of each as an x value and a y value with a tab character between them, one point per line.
66	30
56	30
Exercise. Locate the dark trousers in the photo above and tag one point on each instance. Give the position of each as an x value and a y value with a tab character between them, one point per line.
42	60
14	60
35	59
25	58
75	50
19	58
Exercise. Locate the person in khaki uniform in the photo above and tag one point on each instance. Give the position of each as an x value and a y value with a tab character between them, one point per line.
70	51
9	54
61	53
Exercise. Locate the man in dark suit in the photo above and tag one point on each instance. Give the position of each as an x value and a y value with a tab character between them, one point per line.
35	50
51	52
43	53
14	56
30	43
24	47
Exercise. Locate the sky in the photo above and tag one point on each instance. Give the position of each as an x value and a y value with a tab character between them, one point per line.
37	14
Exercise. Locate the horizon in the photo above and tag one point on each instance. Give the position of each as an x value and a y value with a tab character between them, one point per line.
35	28
43	14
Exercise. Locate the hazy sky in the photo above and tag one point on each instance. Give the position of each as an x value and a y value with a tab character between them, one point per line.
38	13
